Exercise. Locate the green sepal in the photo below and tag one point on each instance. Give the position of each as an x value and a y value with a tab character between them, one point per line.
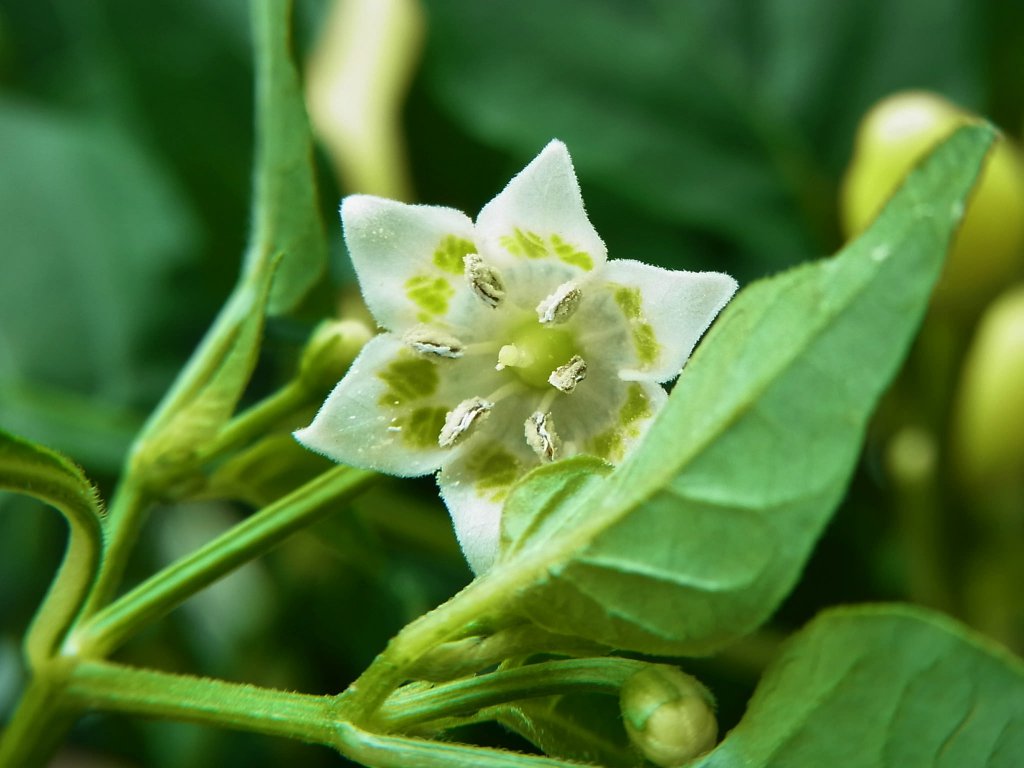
286	212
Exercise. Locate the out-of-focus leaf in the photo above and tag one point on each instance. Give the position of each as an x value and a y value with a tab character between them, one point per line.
700	534
729	118
91	232
883	687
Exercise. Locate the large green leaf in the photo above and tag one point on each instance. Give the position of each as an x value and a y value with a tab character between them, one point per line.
698	110
45	475
704	530
883	687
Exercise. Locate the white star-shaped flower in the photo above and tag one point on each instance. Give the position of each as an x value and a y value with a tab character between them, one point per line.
510	342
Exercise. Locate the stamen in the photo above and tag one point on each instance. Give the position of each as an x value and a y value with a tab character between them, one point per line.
541	437
560	305
565	377
459	421
431	342
485	281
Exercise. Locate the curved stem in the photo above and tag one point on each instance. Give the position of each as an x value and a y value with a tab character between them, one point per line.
407	708
161	593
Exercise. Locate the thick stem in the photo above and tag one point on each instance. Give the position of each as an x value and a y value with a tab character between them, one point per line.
100	685
254	536
39	723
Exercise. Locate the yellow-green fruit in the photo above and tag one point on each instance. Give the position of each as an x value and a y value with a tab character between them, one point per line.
897	133
989	418
668	715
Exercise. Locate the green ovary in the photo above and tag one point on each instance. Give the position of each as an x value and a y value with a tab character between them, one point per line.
534	352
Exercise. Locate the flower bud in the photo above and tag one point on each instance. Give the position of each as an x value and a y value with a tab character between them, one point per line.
892	137
989	417
668	715
330	351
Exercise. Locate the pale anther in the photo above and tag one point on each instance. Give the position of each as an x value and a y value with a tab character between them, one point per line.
485	281
541	437
461	419
560	305
565	377
431	342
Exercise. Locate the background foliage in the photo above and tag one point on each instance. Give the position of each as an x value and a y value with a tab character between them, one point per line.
706	135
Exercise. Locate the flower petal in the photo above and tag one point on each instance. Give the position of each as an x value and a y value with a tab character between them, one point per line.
665	312
387	413
605	416
539	217
408	257
475	482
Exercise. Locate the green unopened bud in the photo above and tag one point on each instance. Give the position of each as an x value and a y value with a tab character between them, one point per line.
897	133
989	427
330	351
668	715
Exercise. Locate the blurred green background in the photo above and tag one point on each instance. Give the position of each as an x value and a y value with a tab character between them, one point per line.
706	135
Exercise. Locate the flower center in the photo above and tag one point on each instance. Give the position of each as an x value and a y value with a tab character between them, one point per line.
535	351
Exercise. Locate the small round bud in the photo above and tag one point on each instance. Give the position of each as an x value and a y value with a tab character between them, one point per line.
330	351
668	715
897	133
989	412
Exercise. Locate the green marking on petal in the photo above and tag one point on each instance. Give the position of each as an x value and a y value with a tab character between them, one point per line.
610	444
607	445
644	340
570	254
528	244
421	427
629	302
450	252
636	407
533	246
408	378
431	294
493	470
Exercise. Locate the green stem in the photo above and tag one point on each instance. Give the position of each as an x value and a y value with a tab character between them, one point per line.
101	685
124	520
39	723
254	536
408	708
377	751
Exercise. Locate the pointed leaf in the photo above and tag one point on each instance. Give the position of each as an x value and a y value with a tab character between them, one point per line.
697	538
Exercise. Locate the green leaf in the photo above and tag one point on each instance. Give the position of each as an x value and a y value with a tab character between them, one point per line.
697	538
43	474
286	210
883	686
